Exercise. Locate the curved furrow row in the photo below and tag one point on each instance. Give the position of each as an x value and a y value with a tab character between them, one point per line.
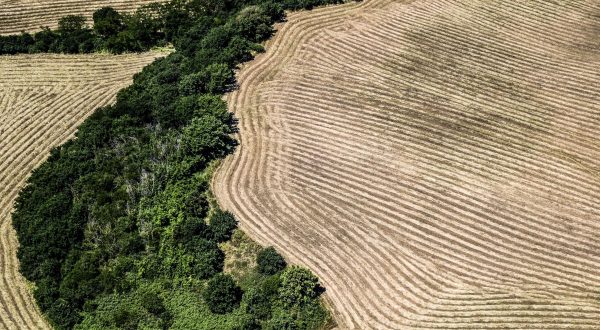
45	98
30	15
434	162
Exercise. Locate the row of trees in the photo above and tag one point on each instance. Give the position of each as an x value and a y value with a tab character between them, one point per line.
151	25
116	229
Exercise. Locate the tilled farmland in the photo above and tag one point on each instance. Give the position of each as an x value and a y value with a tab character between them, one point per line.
30	15
43	100
435	163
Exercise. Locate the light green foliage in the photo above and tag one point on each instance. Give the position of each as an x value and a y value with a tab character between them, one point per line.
191	312
219	77
240	258
206	136
253	23
115	227
215	78
298	286
143	308
189	107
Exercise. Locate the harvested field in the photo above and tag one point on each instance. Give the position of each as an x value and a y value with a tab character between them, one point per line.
29	15
43	98
435	163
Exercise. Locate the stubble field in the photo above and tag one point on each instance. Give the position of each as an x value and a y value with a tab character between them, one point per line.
435	163
29	15
43	98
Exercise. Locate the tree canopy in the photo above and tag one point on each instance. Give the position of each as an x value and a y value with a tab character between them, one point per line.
117	227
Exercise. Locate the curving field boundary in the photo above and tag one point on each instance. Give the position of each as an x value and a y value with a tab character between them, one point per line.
43	99
435	163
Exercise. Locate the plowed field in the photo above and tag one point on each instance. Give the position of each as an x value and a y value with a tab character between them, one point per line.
29	15
43	98
435	163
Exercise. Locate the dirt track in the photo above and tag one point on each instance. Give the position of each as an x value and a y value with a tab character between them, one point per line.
436	163
43	98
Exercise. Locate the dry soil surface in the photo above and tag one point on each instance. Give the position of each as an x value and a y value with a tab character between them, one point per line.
436	163
43	98
30	15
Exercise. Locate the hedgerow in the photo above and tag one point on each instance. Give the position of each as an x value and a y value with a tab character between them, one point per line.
115	228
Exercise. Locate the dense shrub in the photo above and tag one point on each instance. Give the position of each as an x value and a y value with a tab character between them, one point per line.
107	22
222	294
298	286
269	262
222	225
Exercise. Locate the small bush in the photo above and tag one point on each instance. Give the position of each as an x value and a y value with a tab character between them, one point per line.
222	295
298	287
269	262
222	225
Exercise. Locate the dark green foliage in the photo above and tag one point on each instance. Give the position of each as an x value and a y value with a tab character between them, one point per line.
189	24
71	24
107	22
188	43
306	4
274	10
222	294
75	37
269	262
117	222
16	43
222	225
44	41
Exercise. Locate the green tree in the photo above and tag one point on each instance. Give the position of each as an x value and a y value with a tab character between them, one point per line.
219	78
75	37
221	294
298	286
193	84
206	136
222	225
253	24
107	22
71	24
43	40
269	262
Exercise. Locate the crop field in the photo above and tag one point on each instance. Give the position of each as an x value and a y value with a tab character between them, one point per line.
435	163
43	98
29	15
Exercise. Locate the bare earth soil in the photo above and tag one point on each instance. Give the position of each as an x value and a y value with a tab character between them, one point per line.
435	163
43	98
29	15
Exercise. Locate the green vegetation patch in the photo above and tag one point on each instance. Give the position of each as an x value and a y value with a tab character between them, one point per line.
118	229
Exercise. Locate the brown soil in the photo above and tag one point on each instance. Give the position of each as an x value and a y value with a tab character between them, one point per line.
30	15
43	98
435	163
